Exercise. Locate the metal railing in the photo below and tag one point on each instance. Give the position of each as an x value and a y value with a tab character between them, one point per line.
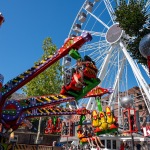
34	147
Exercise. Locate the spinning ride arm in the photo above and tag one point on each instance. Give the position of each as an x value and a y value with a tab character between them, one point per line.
16	83
14	113
50	111
44	101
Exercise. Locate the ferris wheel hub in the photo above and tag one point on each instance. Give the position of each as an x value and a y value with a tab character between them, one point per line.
114	34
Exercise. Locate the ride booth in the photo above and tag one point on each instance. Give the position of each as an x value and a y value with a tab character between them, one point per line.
129	120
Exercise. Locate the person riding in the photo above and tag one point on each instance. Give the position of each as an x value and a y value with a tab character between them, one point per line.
96	139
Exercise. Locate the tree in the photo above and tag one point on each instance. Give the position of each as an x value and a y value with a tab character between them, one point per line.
49	81
132	18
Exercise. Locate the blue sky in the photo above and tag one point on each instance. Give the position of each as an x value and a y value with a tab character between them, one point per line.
27	24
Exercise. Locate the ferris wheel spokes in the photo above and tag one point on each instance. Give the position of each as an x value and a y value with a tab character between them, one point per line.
101	75
99	20
146	70
103	49
117	79
101	34
110	10
105	64
138	75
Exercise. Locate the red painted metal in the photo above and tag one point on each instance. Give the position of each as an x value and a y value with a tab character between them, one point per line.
1	19
64	50
97	91
129	120
148	63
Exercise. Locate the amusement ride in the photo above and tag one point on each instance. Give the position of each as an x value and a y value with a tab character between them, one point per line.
109	50
101	67
84	78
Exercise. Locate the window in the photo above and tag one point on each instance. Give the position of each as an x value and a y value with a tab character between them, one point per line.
109	144
126	124
103	142
114	144
140	107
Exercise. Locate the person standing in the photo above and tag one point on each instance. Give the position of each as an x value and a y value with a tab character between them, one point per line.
122	146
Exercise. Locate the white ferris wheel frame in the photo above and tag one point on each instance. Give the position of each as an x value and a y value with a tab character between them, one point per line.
135	69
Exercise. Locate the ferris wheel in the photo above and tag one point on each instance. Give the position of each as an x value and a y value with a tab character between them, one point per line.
108	49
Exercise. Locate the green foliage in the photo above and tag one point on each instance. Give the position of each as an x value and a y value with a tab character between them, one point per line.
134	47
49	81
131	18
